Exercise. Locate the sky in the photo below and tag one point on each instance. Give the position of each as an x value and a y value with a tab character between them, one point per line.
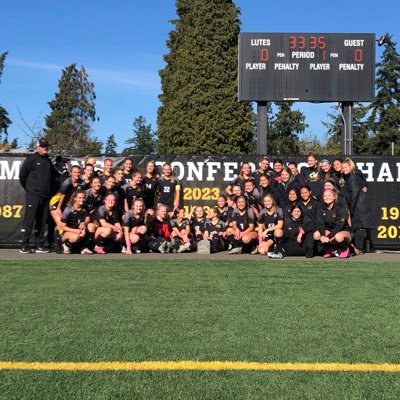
121	44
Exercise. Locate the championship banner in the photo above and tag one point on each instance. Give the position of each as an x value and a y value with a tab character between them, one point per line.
203	178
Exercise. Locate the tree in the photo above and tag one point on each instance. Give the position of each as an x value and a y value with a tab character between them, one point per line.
110	146
68	126
5	122
284	129
143	140
385	109
361	138
199	112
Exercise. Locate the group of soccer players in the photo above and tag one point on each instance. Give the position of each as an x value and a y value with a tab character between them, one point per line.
279	211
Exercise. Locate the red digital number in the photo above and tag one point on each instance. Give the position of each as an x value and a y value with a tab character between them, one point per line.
264	55
302	42
321	42
358	55
292	42
313	42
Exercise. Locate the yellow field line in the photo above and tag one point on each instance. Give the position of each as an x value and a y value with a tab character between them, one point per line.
197	365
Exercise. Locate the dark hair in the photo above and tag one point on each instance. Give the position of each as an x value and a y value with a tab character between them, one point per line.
305	187
294	206
297	191
293	163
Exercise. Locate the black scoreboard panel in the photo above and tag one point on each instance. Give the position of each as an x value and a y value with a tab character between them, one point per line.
324	67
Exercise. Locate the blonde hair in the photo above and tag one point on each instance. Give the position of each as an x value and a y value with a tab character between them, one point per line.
350	163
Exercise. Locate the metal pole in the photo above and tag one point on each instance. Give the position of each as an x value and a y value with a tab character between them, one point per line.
262	125
347	130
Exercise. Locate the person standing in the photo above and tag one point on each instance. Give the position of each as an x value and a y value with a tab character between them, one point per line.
36	177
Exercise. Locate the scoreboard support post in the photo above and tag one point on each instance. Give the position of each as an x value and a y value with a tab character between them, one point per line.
347	129
262	127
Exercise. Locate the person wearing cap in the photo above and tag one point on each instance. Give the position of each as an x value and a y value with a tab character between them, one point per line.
37	178
61	167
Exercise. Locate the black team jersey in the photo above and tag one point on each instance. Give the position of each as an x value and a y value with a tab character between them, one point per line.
166	190
73	218
68	188
150	185
223	214
198	224
180	226
270	220
131	194
215	228
129	220
110	216
93	202
243	218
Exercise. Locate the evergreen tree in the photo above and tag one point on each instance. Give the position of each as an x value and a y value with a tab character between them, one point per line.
14	144
199	112
284	129
385	109
110	146
361	138
143	140
5	122
68	126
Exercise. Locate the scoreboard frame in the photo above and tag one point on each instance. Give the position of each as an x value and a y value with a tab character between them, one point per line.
309	67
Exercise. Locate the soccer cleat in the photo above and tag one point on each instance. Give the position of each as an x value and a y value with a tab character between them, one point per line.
42	250
344	253
86	251
25	250
99	250
184	247
171	247
276	255
66	249
235	250
270	254
123	250
255	251
163	247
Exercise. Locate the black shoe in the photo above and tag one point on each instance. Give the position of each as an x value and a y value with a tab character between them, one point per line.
25	250
42	250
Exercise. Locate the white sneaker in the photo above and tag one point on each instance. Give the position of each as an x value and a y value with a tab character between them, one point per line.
66	249
184	247
270	254
123	250
163	247
276	255
235	250
86	251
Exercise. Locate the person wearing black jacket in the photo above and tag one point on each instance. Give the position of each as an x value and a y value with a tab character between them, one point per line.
36	177
313	176
362	220
332	228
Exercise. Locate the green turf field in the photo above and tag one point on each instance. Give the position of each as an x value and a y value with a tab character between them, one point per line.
334	311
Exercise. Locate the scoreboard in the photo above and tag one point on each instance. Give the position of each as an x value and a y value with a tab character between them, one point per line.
320	67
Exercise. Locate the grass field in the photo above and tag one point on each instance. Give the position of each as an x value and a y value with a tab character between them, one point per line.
318	311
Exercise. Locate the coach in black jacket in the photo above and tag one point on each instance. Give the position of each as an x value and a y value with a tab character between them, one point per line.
36	176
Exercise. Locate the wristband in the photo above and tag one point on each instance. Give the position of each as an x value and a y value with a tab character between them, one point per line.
241	234
302	231
260	240
128	243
